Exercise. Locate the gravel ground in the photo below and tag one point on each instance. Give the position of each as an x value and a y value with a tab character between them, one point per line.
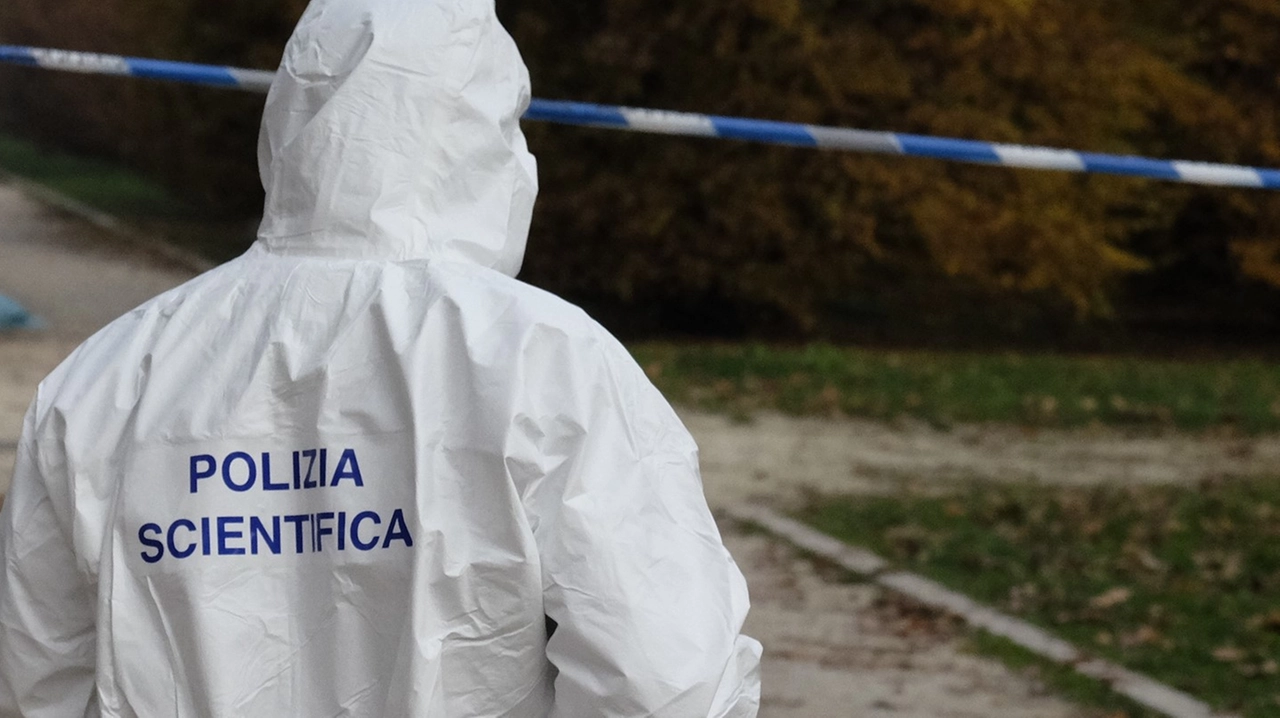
831	648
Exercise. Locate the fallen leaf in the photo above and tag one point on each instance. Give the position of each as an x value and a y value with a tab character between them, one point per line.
1048	405
1228	654
1219	566
1144	636
1266	621
829	397
1111	598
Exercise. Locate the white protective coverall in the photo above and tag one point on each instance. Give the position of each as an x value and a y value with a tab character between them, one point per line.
350	472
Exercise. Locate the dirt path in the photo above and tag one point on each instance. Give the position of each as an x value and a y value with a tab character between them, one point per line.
831	649
777	457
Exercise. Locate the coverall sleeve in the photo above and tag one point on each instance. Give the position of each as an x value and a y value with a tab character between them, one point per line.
648	603
47	638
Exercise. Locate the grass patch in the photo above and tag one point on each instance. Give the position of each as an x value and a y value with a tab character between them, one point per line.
127	195
948	388
1182	584
102	185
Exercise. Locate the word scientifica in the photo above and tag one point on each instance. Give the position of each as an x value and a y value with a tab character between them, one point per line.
318	532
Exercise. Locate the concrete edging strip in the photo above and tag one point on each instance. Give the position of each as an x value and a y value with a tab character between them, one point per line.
1141	689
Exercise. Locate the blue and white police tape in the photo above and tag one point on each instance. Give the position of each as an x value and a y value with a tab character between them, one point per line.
696	125
95	64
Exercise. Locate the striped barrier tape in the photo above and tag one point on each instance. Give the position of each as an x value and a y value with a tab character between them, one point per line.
94	64
696	125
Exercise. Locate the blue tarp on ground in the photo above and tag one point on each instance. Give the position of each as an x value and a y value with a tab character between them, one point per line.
13	316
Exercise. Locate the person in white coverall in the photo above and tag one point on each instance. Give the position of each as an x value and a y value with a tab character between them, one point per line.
354	471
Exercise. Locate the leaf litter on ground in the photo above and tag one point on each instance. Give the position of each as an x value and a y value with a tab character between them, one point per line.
1182	584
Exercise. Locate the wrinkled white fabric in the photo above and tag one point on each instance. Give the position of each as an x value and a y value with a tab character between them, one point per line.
350	473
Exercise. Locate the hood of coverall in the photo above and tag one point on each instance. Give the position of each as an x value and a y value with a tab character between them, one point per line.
392	131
